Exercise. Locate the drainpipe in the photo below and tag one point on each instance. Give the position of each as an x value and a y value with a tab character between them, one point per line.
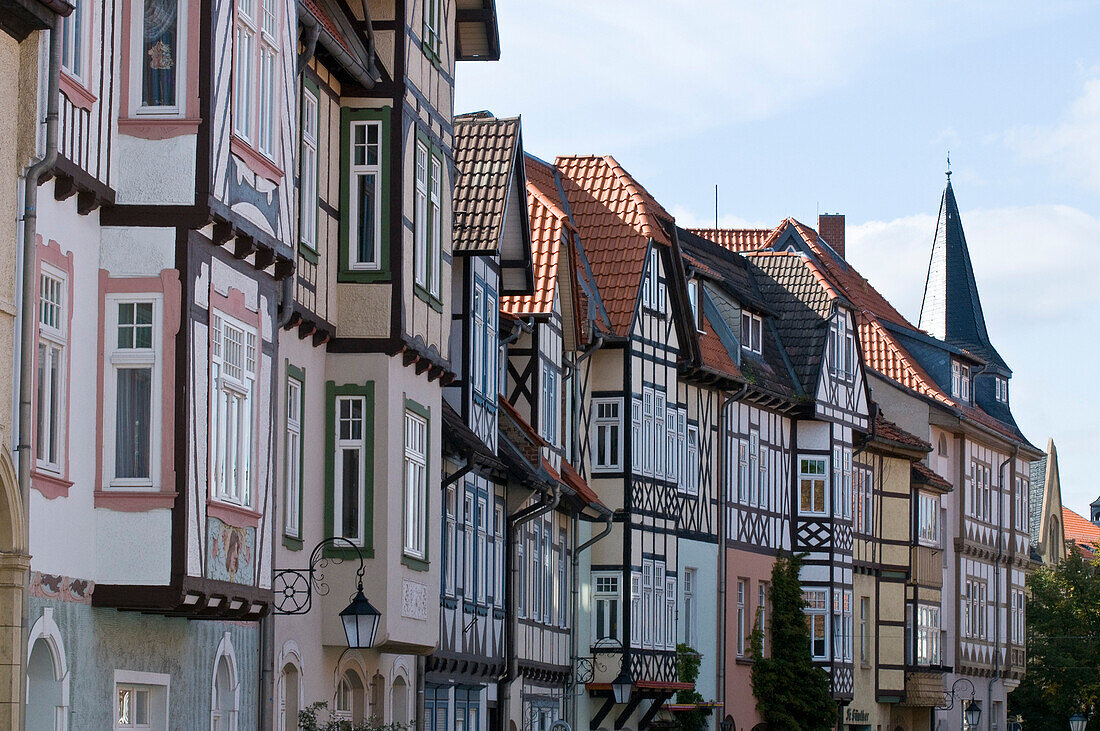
544	506
721	664
997	592
34	176
608	517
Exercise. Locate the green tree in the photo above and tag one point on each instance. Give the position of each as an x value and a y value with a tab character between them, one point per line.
791	692
1063	645
687	670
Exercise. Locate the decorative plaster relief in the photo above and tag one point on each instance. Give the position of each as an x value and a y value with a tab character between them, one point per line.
414	600
231	552
62	588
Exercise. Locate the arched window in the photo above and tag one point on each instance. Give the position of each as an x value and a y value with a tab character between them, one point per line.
47	677
349	701
943	445
289	705
399	700
225	692
1055	538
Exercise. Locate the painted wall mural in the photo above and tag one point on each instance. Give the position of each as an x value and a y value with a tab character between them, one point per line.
231	552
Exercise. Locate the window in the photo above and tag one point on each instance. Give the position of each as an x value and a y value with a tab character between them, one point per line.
159	56
751	329
416	484
960	380
141	700
350	698
842	482
350	475
481	526
928	519
690	478
674	444
1023	520
645	448
550	405
52	339
653	289
864	509
607	423
974	608
1001	386
74	39
365	199
928	635
693	298
636	435
865	630
743	472
689	606
293	463
658	449
754	468
646	617
427	209
547	577
762	612
742	589
450	541
234	353
420	207
655	617
435	222
847	613
563	586
256	72
485	348
816	617
521	599
1019	627
433	27
980	492
811	485
636	618
842	625
606	601
132	390
308	188
536	573
670	613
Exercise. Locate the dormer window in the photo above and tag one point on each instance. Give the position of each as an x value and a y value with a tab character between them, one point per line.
653	290
752	328
693	298
842	350
1001	389
960	381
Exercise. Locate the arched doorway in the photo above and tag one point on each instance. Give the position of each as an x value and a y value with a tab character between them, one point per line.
47	677
225	693
14	563
399	700
289	685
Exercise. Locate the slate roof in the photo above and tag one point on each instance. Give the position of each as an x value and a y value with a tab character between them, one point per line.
1082	532
485	150
803	301
951	309
1036	492
615	217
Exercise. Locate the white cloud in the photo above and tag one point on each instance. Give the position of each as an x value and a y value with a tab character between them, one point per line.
1036	269
1071	147
690	218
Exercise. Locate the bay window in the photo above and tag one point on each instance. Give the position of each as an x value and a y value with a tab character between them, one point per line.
256	72
74	40
131	400
420	211
234	353
816	617
416	484
607	425
433	27
365	200
427	210
52	341
159	55
605	599
928	519
811	485
928	635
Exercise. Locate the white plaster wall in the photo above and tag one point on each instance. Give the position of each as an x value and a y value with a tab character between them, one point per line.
813	434
140	549
155	171
137	252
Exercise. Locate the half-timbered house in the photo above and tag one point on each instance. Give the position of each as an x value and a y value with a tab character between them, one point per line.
367	345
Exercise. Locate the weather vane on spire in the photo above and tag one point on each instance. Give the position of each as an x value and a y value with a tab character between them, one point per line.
949	164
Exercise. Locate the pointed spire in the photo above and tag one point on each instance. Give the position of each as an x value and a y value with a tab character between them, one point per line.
951	309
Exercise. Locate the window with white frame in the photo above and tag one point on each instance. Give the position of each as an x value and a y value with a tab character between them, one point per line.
636	435
812	475
960	380
690	477
646	617
842	355
416	483
234	351
450	540
607	427
693	298
645	448
751	332
256	74
670	613
350	475
980	492
653	289
141	700
365	195
690	608
974	608
842	625
928	519
928	635
636	618
74	39
292	477
754	468
485	347
743	473
158	55
1023	520
864	506
606	600
657	617
547	576
427	209
762	613
307	200
658	449
865	630
435	222
481	530
521	598
1001	389
132	374
563	586
1019	628
842	482
52	341
674	445
420	208
742	590
550	404
816	619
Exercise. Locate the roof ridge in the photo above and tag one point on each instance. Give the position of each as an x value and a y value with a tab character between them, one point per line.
639	195
550	205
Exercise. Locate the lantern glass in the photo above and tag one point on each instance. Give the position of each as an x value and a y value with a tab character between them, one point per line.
360	620
1078	722
973	714
621	687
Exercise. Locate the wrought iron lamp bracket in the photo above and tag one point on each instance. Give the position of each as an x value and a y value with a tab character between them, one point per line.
294	588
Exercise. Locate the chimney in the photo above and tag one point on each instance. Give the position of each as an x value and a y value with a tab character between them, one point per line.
831	228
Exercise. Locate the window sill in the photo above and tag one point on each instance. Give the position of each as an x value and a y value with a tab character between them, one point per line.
51	486
344	552
743	660
362	276
76	92
134	501
234	515
256	161
416	564
157	128
308	253
433	301
292	543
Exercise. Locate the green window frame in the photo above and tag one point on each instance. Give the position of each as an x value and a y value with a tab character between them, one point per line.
413	562
309	250
290	540
432	29
349	122
428	220
332	393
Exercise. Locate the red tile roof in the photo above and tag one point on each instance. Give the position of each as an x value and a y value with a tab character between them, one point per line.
923	474
616	218
1079	530
573	479
736	239
548	223
713	352
894	433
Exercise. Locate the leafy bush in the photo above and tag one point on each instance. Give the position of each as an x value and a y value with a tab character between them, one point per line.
308	721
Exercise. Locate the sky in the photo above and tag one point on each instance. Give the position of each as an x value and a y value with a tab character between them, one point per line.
798	107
